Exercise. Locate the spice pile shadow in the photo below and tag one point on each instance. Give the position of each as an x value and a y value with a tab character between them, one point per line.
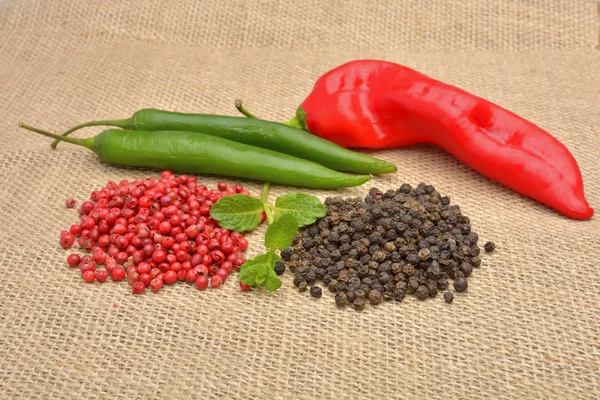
385	246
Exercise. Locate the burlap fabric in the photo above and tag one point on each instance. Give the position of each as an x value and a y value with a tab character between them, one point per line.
528	326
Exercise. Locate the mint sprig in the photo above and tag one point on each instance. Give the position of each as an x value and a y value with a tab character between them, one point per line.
243	213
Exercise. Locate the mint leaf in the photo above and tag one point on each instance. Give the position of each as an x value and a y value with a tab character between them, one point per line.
272	282
262	275
281	232
253	268
239	212
304	207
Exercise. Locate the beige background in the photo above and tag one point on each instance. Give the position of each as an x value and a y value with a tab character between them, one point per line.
528	326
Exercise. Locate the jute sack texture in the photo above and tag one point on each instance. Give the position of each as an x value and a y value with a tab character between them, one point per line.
527	328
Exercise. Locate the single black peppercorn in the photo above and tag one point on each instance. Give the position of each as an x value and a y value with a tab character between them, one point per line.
422	292
442	283
316	291
405	188
489	247
432	288
320	272
413	285
375	297
460	284
279	268
360	294
448	297
341	287
359	303
341	300
286	254
384	277
354	282
351	296
298	280
466	269
332	285
399	295
302	287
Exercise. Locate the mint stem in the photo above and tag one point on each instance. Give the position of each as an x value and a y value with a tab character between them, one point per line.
270	258
264	197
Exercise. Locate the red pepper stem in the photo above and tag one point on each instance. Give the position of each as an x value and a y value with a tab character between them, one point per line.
294	123
121	123
90	144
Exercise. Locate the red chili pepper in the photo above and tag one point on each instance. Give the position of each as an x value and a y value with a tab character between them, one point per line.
377	104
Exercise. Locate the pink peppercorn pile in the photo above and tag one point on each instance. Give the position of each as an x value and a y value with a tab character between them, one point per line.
154	232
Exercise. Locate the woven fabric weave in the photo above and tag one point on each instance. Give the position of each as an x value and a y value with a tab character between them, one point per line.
528	326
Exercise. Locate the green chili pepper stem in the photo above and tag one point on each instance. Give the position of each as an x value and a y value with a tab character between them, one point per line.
294	123
88	143
264	197
242	109
121	123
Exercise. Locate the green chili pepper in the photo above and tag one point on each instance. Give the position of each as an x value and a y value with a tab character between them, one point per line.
255	132
192	152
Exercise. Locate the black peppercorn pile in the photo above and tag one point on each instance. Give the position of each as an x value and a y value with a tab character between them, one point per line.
408	241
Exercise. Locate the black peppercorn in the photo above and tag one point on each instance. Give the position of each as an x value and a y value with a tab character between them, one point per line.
279	268
320	273
341	287
302	287
332	285
298	280
359	303
351	296
466	269
340	300
383	246
432	288
384	277
353	282
286	254
460	284
311	277
448	297
316	291
413	285
442	283
399	295
405	188
422	292
489	247
375	297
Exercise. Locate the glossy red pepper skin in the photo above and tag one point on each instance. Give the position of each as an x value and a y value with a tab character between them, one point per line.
379	105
